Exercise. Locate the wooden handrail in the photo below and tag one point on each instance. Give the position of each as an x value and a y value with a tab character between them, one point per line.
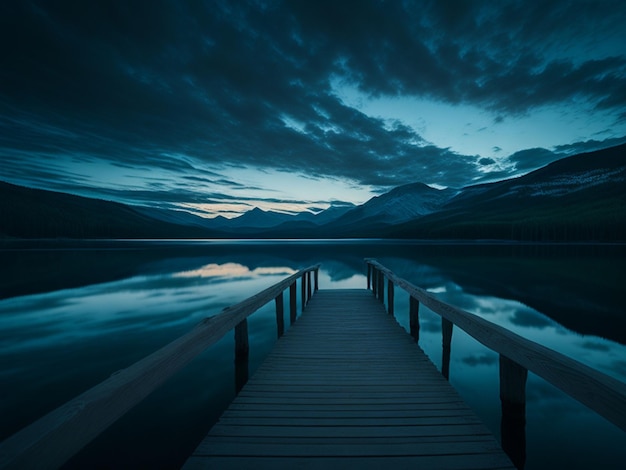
600	392
57	436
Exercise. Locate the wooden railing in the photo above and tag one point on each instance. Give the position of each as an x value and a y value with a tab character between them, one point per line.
600	392
57	436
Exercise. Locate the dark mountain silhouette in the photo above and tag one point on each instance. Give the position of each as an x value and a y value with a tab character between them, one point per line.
336	210
582	197
399	205
36	213
258	218
579	198
180	217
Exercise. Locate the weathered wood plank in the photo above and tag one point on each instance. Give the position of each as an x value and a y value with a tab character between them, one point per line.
328	390
347	407
365	421
335	432
337	415
423	399
337	440
293	308
491	461
342	449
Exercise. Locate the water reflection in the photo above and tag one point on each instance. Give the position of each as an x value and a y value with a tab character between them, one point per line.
68	319
486	359
233	271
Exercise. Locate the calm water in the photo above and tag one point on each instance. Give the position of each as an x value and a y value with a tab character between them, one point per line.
71	315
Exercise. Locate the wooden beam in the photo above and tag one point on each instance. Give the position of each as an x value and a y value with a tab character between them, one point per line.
390	296
280	316
446	340
414	322
316	274
513	399
375	281
381	286
512	382
53	439
600	392
242	347
293	307
303	291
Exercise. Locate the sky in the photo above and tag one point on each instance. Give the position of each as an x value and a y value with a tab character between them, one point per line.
217	107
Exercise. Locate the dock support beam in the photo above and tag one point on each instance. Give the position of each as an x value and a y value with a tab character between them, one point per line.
513	399
375	281
390	297
381	287
446	333
414	322
280	317
241	340
303	293
293	306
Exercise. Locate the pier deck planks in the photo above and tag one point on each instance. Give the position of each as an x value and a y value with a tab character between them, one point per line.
347	386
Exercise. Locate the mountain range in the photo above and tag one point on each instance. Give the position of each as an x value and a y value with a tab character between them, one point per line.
578	198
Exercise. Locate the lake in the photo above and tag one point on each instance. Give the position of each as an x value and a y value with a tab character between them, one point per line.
73	313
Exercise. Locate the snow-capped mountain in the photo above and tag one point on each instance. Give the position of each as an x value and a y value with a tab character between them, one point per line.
603	169
578	197
399	205
260	219
336	210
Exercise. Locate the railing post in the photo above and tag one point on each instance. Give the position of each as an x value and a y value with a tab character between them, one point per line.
390	297
316	276
375	281
303	289
513	399
381	286
446	334
369	275
309	286
293	306
280	317
241	341
414	322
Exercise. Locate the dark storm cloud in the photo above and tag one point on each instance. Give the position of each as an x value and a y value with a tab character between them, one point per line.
529	159
155	84
588	146
501	57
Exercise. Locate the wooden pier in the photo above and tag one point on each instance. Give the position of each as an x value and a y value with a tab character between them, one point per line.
347	387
